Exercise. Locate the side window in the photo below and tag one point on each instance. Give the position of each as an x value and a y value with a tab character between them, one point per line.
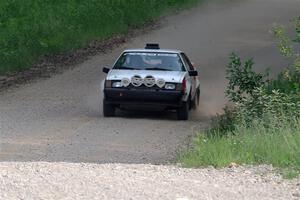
187	62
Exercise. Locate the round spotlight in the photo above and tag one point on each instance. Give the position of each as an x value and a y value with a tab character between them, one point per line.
125	82
160	83
136	81
149	81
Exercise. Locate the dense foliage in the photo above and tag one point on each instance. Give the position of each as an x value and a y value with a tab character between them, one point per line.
32	28
256	97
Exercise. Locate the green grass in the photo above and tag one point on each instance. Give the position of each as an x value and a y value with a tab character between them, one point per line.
33	28
255	144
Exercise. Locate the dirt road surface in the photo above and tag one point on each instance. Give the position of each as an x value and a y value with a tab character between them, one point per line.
60	119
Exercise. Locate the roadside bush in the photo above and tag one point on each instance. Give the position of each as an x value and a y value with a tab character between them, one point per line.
289	80
255	96
275	107
223	123
242	79
263	125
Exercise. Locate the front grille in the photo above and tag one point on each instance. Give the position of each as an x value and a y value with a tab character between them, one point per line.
143	87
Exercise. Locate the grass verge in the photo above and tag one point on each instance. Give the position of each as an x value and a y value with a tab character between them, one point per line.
33	28
249	144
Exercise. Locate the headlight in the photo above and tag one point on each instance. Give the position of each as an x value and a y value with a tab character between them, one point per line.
169	86
117	85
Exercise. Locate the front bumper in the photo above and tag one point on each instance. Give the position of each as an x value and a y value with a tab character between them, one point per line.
141	97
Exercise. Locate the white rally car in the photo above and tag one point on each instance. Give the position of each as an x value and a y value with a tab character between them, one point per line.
151	77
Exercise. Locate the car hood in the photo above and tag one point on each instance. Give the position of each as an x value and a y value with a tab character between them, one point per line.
168	76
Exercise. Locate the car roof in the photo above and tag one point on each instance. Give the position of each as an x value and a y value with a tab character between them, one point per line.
153	51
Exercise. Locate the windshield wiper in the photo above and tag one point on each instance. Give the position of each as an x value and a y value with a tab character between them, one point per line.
157	68
129	68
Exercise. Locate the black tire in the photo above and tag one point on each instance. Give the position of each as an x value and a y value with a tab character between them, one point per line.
183	111
109	110
198	97
195	103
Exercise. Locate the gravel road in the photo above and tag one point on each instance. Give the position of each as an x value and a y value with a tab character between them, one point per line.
60	119
114	181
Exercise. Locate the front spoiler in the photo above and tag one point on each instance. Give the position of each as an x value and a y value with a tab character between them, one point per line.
139	97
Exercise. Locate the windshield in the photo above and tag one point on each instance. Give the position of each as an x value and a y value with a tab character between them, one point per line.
150	61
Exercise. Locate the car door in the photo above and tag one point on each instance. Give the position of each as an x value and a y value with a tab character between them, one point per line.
190	67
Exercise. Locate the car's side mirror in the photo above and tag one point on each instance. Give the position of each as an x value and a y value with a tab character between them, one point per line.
193	73
105	70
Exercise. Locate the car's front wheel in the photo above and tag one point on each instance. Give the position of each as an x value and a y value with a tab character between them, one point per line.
109	110
183	111
196	101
